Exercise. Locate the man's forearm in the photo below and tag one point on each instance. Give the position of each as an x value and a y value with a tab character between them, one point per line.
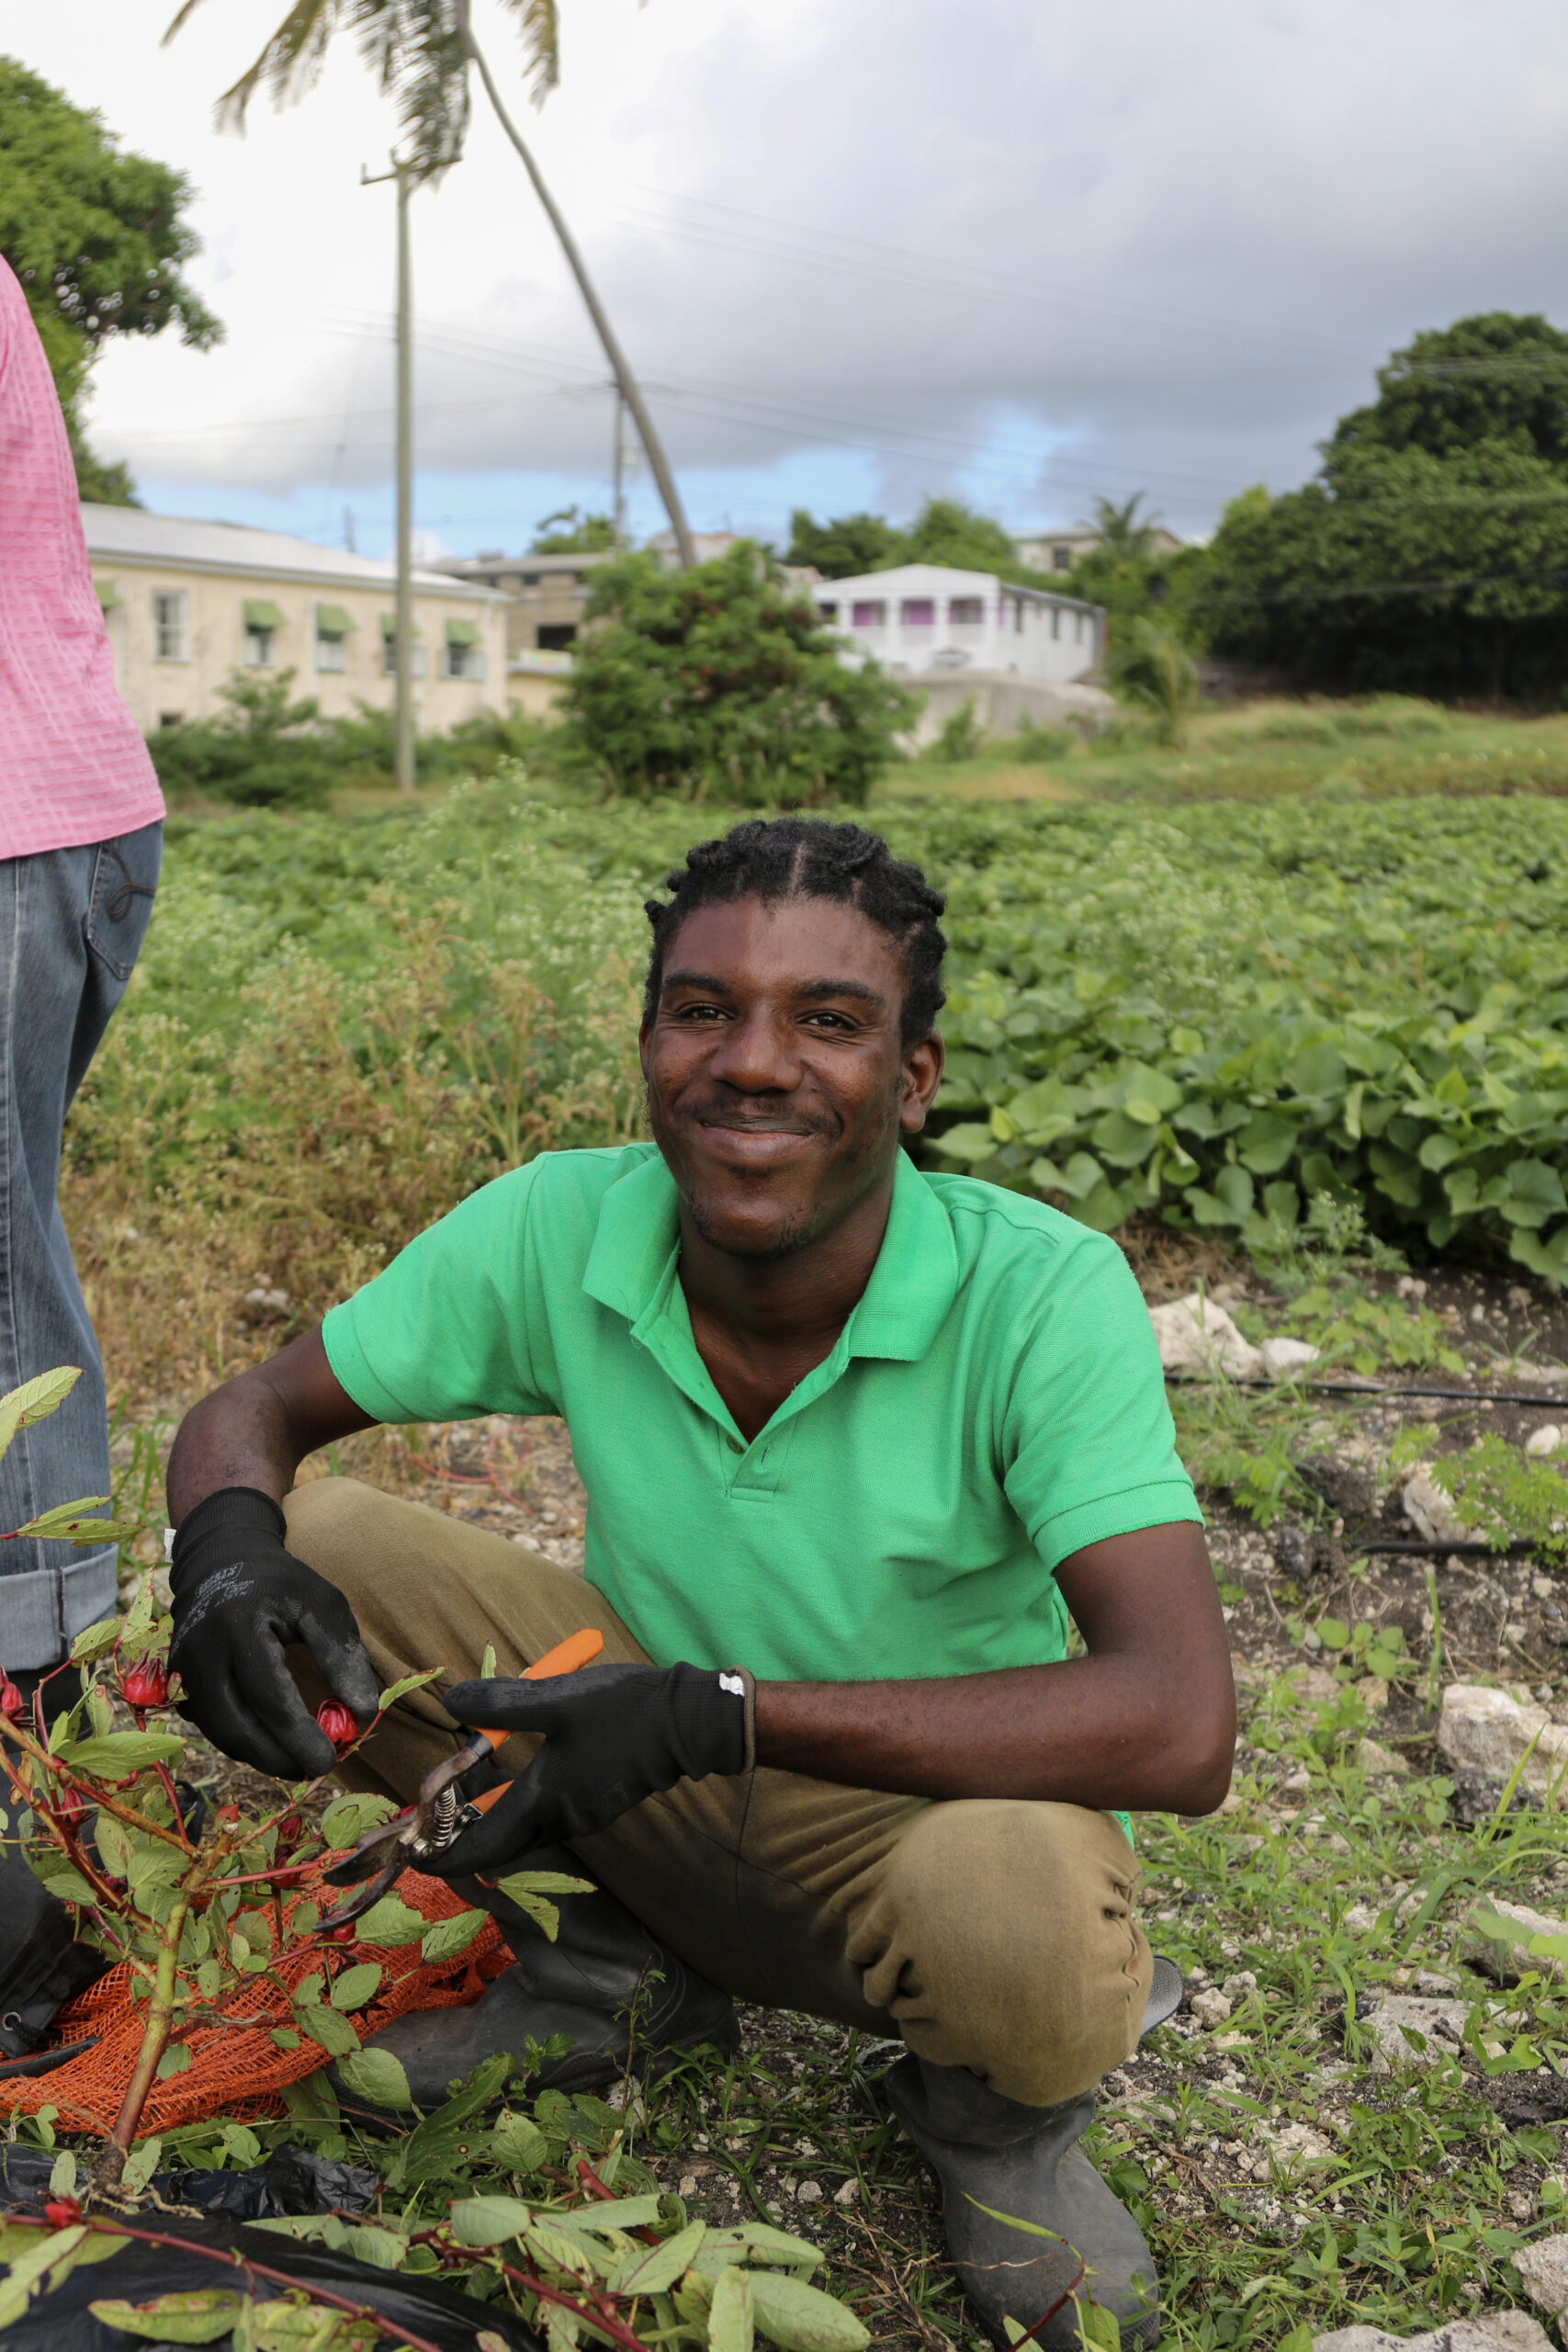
258	1428
1092	1730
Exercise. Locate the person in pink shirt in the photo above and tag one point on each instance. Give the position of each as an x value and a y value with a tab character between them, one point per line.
81	832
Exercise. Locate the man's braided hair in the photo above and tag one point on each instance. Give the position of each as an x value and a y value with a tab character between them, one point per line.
805	857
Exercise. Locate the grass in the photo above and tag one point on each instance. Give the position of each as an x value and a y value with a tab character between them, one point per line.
1386	747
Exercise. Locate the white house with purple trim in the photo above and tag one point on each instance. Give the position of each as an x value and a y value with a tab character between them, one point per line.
924	617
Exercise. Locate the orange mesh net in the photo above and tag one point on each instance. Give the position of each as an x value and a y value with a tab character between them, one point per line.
236	2069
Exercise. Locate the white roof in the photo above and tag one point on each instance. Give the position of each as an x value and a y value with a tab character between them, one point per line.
237	547
939	580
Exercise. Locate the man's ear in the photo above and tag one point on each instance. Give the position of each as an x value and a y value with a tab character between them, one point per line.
645	1043
922	1075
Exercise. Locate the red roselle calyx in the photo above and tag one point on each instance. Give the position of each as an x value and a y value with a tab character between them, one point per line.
61	2213
290	1829
11	1700
337	1721
145	1684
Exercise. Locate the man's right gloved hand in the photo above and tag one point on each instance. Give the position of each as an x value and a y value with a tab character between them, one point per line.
240	1600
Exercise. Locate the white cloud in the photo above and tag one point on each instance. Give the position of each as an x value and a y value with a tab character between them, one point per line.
1030	252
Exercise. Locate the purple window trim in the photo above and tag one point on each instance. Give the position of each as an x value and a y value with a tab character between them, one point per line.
917	612
871	613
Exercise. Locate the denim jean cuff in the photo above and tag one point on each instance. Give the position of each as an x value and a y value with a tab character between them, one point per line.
42	1612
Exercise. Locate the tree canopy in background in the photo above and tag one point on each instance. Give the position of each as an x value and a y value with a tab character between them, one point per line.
945	531
720	683
568	531
97	238
1430	555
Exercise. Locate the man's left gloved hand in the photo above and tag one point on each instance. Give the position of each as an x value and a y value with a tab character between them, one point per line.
614	1735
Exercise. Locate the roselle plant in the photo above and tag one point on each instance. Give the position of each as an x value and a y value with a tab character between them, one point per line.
195	1903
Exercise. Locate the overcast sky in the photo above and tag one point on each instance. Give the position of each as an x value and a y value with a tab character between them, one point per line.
1026	251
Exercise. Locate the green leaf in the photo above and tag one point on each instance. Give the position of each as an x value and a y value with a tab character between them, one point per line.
328	2028
93	1640
70	1523
529	1889
35	1400
378	2075
654	2272
390	1923
731	2320
801	2318
490	2221
200	2317
63	2175
407	1682
518	2144
345	1821
445	1938
141	2165
176	2060
121	1753
969	1142
284	2037
355	1985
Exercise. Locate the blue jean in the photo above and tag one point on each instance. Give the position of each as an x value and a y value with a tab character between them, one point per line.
71	922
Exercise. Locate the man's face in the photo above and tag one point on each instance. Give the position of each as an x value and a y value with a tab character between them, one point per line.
777	1084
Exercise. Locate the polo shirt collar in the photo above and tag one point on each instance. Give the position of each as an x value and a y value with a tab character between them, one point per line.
631	1266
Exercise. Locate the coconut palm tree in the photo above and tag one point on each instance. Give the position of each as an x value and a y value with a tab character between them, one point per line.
421	51
1123	535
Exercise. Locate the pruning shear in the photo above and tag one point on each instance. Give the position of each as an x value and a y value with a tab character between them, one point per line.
440	1814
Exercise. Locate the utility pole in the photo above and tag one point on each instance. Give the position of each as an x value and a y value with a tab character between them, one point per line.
658	464
619	474
403	635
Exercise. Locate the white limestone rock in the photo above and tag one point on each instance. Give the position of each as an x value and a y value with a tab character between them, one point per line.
1489	1731
1497	2332
1543	2266
1194	1336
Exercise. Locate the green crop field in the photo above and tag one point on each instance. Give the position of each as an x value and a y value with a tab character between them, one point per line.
1305	1043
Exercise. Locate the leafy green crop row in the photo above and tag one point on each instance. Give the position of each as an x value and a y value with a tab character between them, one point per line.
1218	1016
1211	1011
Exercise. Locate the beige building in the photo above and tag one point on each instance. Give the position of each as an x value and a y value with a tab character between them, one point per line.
189	603
1059	551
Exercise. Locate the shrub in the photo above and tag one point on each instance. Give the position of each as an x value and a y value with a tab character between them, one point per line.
1152	670
719	682
958	737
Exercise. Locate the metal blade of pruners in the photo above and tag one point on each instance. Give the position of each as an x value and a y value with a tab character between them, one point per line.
440	1812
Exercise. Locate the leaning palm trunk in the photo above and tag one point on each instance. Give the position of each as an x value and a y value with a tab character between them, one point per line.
625	382
422	49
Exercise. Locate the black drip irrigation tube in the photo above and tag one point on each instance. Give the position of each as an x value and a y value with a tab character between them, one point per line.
1411	1547
1374	1388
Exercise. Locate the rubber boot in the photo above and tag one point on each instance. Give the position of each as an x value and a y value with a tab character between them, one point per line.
603	1964
1026	2161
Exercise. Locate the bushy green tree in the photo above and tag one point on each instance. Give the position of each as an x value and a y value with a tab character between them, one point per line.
721	683
1430	556
946	531
568	531
844	546
264	751
97	238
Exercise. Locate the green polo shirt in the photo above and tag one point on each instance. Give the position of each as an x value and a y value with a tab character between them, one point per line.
994	1403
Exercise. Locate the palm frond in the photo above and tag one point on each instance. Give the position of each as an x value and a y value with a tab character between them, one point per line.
538	23
289	61
433	90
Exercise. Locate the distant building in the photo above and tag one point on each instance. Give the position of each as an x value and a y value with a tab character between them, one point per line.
188	604
545	598
1018	653
1059	551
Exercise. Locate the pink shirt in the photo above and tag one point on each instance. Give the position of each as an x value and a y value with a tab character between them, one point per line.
74	768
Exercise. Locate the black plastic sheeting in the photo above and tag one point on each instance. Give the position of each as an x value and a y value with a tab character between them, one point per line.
290	2182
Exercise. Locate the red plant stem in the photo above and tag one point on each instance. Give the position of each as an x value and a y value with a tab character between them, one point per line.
253	2271
1065	2297
590	2310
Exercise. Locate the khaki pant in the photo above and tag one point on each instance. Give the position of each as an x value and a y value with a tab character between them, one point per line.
989	1933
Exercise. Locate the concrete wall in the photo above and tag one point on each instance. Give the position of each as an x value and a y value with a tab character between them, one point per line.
1001	699
213	643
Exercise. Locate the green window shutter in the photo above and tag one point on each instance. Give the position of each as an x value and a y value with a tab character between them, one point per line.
463	633
261	614
390	626
109	598
333	620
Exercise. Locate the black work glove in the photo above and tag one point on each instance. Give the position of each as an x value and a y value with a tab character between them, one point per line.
614	1735
240	1598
